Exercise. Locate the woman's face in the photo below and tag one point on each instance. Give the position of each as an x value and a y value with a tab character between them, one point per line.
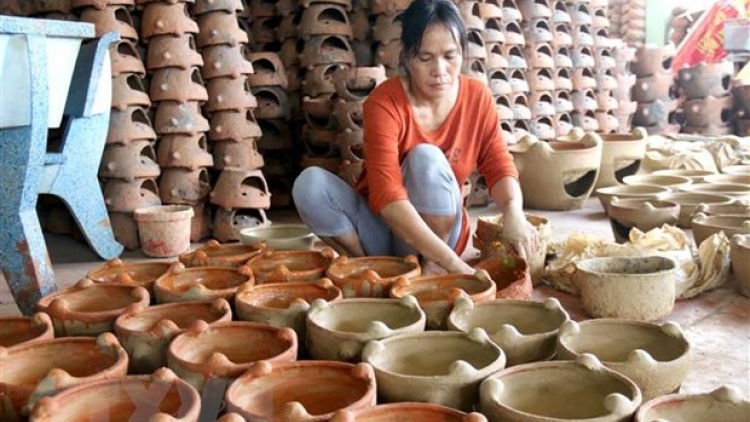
433	71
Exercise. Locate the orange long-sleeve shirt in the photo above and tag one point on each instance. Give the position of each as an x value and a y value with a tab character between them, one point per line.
469	137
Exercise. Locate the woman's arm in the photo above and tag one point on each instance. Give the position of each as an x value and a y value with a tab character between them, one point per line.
517	231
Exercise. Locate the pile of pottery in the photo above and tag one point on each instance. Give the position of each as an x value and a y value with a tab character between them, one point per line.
628	20
655	90
707	98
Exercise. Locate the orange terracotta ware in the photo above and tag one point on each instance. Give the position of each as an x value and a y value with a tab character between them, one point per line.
19	330
371	276
511	275
129	273
202	284
215	254
277	266
408	411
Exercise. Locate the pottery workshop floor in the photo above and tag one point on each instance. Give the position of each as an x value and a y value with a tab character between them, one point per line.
717	324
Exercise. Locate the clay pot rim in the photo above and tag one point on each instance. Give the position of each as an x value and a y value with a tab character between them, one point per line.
735	208
696	175
256	297
393	306
236	253
443	283
50	305
723	393
671	181
525	305
729	189
120	269
39	322
720	222
741	241
695	198
723	178
627	190
668	265
336	270
403	410
123	323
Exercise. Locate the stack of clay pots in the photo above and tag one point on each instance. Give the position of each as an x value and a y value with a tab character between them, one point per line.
584	73
680	23
513	108
539	106
60	9
654	90
629	20
622	93
707	98
386	32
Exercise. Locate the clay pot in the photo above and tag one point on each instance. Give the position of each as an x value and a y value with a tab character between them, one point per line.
291	391
413	412
370	276
689	201
639	288
437	294
131	124
20	330
89	309
126	197
129	273
737	191
44	368
737	169
697	176
204	353
277	266
161	396
736	208
704	226
524	330
722	404
340	330
510	274
215	254
621	156
584	390
203	284
134	160
228	224
655	357
146	333
629	192
238	188
643	214
449	378
728	178
671	182
706	79
567	171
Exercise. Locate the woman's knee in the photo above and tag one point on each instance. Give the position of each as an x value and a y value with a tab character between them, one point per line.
304	188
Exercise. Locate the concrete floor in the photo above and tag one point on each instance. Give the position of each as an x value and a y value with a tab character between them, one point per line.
717	323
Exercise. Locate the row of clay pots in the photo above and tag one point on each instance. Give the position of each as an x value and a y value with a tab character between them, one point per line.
628	20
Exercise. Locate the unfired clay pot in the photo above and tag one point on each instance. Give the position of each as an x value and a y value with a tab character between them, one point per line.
697	176
339	330
655	357
129	273
689	202
44	368
621	156
412	412
627	192
643	214
436	294
584	390
215	254
301	391
736	208
724	404
204	353
488	239
371	276
146	333
19	330
705	226
740	256
672	182
281	266
510	274
160	397
640	288
450	378
89	309
524	330
180	284
734	190
731	178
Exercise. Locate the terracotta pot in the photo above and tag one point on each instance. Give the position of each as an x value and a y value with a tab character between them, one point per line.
370	276
157	397
722	404
215	254
129	273
621	156
413	412
437	294
629	192
126	197
585	390
655	357
89	309
449	378
703	79
524	330
38	369
340	330
146	333
290	391
643	214
704	226
204	353
277	266
20	330
238	188
229	224
510	274
131	124
203	284
639	288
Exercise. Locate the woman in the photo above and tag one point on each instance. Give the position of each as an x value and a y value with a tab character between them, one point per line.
424	133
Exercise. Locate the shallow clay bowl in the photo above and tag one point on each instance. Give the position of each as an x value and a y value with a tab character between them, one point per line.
697	176
133	273
672	182
15	330
282	237
738	208
272	266
737	179
643	214
707	225
725	404
215	254
201	284
628	191
740	256
729	189
410	411
371	276
689	201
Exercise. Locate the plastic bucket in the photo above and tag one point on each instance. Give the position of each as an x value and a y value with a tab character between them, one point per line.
164	230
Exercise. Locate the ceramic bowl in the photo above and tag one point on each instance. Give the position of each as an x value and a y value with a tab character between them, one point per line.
643	214
724	404
371	276
729	189
282	237
142	273
510	274
672	182
697	176
215	254
272	266
689	201
201	284
740	256
655	357
15	330
627	192
706	225
731	178
737	208
412	412
639	288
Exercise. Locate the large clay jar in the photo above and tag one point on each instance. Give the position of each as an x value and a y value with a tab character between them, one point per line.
640	288
215	254
556	175
15	330
280	266
488	239
643	214
146	333
340	330
436	294
35	370
622	155
412	412
129	273
689	202
724	404
202	284
204	355
450	378
524	330
583	390
655	357
89	309
284	304
740	256
371	276
161	396
511	276
706	225
302	391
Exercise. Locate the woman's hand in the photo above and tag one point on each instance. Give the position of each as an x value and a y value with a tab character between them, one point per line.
520	234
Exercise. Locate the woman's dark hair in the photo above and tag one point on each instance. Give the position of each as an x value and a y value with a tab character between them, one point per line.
419	16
